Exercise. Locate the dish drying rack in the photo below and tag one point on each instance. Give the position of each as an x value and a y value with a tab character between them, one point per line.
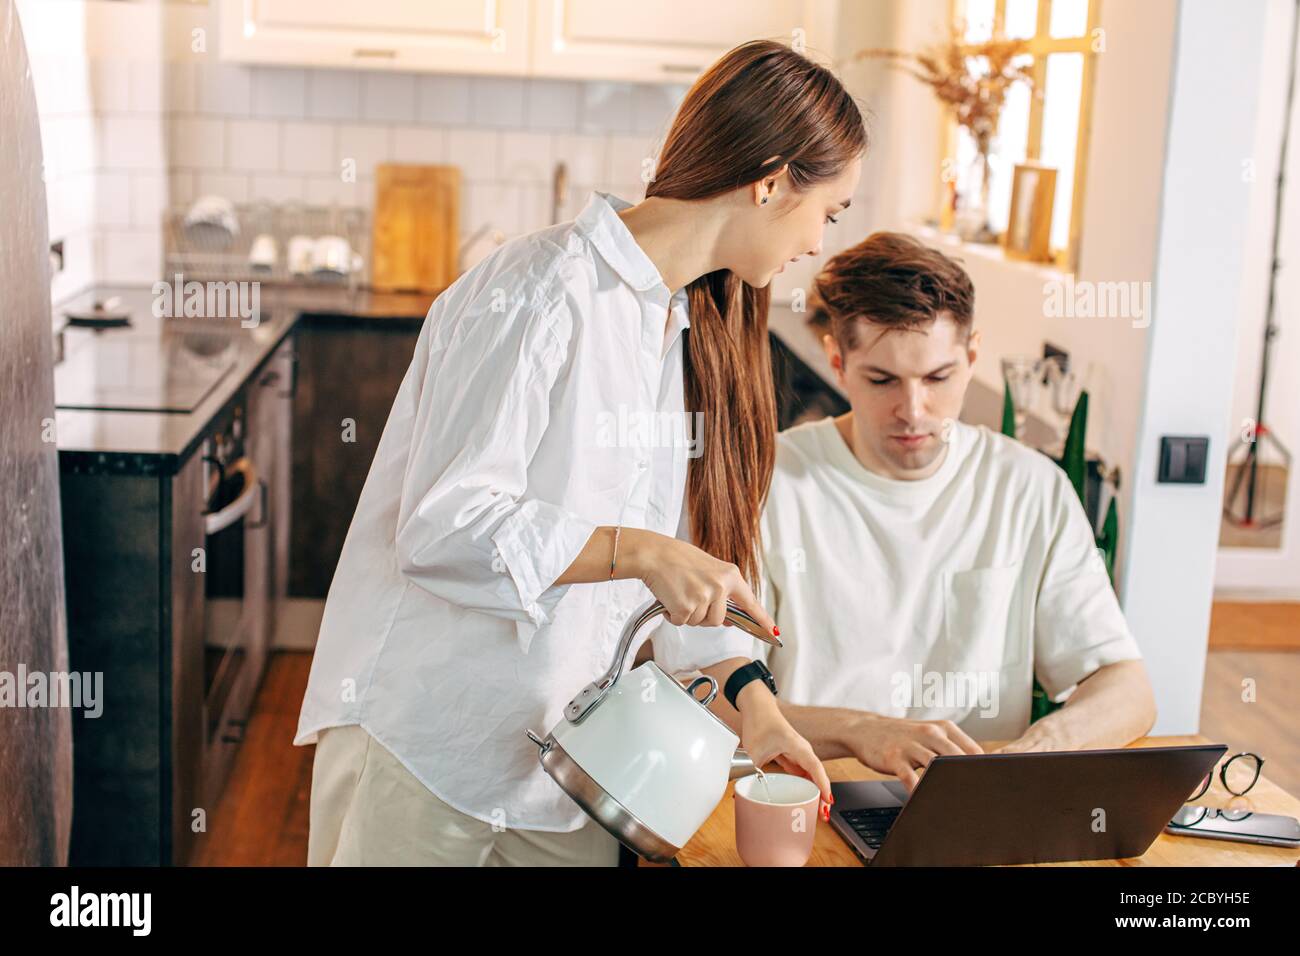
205	255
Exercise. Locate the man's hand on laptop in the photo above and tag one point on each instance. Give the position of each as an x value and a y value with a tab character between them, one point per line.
902	747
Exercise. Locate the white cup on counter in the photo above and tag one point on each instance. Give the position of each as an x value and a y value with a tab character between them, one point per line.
262	254
332	254
300	254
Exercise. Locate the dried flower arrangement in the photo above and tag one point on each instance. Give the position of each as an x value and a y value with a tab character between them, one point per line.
971	80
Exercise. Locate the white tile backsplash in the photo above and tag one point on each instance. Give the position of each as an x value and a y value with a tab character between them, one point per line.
113	199
234	186
278	93
180	86
497	101
585	157
146	81
419	144
129	255
607	107
110	85
148	199
388	97
307	148
68	145
630	157
253	145
443	100
274	187
131	141
476	152
359	148
552	105
331	190
222	89
333	94
197	142
182	188
525	157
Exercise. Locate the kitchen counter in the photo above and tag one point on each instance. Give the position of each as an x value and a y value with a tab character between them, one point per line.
149	442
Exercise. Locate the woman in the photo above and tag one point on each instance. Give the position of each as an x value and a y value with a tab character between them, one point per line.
511	522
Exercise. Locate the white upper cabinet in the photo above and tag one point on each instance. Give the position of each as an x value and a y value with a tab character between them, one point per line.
443	36
656	41
663	40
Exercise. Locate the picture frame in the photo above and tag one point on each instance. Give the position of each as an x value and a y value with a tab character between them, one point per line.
1029	225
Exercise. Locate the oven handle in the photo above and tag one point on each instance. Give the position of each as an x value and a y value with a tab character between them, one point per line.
214	521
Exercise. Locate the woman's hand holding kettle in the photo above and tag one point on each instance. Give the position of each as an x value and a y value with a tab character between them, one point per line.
691	584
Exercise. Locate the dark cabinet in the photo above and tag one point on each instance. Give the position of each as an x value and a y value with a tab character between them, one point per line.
350	370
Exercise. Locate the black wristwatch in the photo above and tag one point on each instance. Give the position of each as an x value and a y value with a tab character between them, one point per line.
754	670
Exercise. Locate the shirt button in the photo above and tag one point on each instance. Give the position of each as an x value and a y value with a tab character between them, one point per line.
498	565
642	464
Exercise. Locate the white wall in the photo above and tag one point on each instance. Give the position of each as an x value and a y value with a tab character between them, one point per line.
1255	573
1187	389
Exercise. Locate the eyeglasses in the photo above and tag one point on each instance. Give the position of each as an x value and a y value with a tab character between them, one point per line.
1238	775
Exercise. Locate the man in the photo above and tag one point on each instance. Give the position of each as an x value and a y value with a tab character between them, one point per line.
923	571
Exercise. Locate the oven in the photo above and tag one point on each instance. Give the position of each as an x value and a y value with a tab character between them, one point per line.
236	552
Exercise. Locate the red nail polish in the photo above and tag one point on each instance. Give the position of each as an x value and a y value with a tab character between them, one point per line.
776	630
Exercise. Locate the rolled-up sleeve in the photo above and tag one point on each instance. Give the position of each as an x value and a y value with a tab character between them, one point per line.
468	530
1078	624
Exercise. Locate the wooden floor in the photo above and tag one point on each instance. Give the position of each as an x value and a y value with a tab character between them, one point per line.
1241	626
1268	726
263	815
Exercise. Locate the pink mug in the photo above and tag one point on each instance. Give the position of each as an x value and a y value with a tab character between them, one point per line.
775	826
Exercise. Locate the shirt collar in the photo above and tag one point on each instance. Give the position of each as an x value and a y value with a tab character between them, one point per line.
600	222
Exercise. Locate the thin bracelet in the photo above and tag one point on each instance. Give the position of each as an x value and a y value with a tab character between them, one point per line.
614	557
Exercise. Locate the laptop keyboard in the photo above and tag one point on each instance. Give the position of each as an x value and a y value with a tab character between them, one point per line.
871	823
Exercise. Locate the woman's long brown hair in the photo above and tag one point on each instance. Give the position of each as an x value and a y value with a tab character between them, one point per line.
762	105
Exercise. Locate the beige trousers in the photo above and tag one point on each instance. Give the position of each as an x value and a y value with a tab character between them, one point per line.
369	810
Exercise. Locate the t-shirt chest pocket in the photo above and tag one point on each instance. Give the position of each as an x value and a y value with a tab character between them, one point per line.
979	633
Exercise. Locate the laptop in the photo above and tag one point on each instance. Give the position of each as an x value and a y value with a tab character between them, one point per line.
996	809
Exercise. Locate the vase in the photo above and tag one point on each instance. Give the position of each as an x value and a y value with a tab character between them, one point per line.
972	221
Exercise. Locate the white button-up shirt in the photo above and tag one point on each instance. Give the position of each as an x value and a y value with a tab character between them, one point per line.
545	398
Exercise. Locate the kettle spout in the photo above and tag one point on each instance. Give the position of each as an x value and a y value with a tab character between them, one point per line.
741	765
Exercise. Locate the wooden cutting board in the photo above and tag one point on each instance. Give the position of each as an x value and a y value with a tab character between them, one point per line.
416	228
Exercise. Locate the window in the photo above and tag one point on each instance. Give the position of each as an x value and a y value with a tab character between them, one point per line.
1061	39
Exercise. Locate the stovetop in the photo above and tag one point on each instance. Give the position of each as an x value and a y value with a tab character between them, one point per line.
121	371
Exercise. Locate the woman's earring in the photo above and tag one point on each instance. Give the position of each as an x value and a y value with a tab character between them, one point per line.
763	200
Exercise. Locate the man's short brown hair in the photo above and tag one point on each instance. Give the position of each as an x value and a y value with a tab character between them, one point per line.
893	280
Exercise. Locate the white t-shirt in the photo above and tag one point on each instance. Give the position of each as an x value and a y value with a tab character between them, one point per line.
938	598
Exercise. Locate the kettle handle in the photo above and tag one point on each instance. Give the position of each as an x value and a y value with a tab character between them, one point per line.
712	685
595	692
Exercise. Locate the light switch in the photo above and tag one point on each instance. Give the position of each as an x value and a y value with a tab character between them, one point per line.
1183	459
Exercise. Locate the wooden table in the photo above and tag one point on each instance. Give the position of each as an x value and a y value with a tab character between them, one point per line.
715	843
